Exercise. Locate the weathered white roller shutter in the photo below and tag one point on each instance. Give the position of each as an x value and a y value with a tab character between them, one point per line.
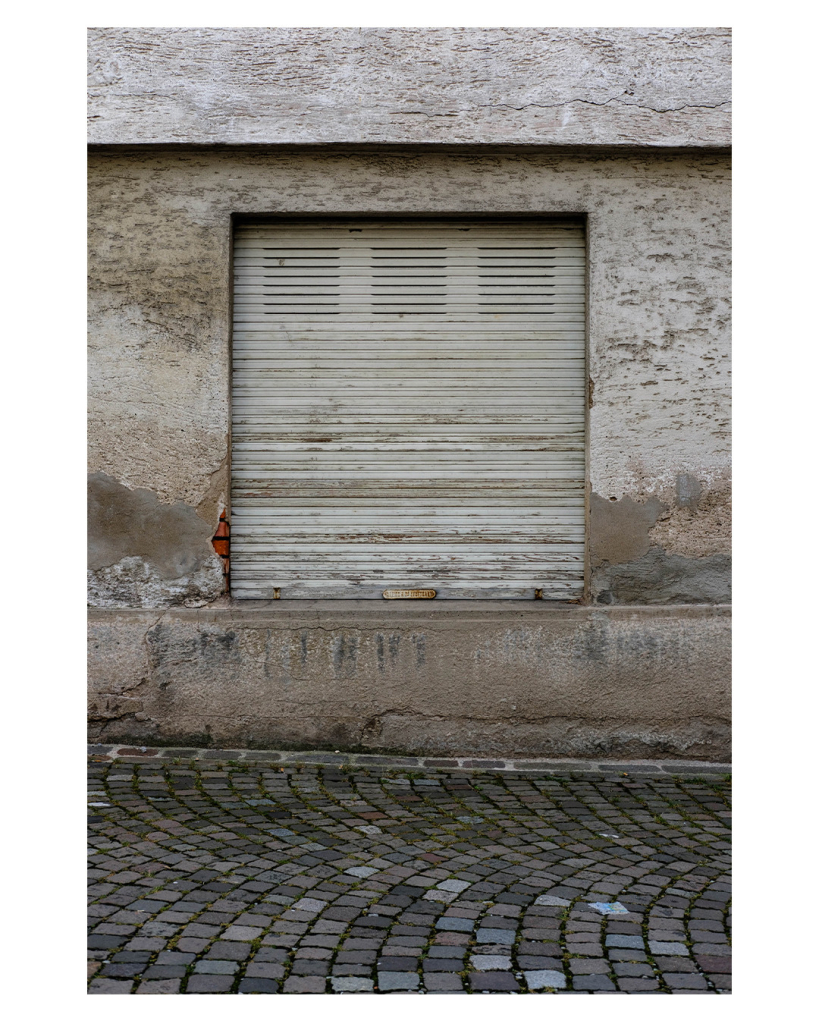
408	409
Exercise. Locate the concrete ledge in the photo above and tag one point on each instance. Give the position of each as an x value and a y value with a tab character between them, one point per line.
487	679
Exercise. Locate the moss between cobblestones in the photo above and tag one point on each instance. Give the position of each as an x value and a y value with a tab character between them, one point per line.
445	829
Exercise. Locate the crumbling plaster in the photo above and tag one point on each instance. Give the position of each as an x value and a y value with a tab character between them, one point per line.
143	552
543	86
658	237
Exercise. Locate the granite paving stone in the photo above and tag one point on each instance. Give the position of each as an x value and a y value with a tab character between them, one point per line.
204	983
107	986
441	964
308	985
638	985
628	970
443	983
502	935
216	967
164	971
259	872
674	948
545	979
454	924
626	941
352	984
395	981
491	963
264	970
675	963
163	987
258	985
493	981
122	970
593	983
686	981
589	966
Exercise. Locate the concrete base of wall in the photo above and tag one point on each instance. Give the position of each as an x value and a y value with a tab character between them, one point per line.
483	678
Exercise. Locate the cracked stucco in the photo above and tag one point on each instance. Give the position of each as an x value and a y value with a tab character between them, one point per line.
539	86
569	102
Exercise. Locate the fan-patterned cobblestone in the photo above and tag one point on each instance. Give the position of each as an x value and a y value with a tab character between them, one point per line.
235	876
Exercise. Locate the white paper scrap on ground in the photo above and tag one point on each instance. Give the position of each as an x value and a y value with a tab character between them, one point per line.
609	908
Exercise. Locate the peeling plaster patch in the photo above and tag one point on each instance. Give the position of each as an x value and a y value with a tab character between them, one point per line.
661	578
619	530
696	527
144	553
124	523
662	552
133	583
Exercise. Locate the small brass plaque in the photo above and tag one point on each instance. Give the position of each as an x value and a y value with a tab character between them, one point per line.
392	595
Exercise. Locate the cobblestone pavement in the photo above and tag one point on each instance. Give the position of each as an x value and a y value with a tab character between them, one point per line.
247	876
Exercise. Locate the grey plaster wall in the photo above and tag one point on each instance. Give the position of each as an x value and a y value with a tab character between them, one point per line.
457	678
659	235
567	86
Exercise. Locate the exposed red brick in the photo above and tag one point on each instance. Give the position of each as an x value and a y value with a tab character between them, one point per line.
223	530
221	546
